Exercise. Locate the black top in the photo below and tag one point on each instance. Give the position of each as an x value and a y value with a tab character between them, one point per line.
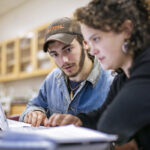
128	105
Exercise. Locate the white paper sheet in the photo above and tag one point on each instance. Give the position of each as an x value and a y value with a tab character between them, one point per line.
16	124
73	134
67	134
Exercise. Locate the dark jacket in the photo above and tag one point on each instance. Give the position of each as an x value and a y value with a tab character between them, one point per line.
126	111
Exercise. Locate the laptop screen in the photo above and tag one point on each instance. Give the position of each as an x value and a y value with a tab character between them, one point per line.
3	120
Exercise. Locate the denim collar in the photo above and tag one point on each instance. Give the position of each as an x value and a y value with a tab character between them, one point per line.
92	77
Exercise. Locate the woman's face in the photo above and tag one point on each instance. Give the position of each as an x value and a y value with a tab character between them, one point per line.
106	46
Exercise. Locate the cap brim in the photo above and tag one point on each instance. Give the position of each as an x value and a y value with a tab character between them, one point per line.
61	37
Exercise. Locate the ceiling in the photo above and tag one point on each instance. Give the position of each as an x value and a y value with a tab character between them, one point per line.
8	5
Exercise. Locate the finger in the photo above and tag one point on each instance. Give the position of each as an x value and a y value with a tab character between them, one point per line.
46	122
33	119
30	118
51	120
57	119
78	122
68	119
26	118
40	117
43	119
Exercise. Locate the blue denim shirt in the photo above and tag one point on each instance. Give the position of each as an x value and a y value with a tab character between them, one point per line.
53	96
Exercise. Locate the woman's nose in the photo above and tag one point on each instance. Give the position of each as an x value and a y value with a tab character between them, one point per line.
94	52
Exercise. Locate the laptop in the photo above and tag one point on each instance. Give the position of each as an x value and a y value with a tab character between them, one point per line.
3	120
24	140
7	124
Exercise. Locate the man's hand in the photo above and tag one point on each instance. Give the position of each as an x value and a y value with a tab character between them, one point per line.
35	118
62	119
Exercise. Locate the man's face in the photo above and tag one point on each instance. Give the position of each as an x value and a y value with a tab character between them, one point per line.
69	58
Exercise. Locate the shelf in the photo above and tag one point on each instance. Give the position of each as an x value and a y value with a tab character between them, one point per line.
10	52
23	57
25	75
25	48
0	59
9	59
17	109
44	59
40	42
33	74
41	55
7	78
10	70
25	60
10	45
10	63
25	54
42	31
26	67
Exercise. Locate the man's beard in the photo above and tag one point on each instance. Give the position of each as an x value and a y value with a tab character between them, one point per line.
81	64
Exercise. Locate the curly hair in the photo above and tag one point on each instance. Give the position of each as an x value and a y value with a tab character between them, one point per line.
101	14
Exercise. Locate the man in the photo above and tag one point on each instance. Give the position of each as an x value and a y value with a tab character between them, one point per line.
79	84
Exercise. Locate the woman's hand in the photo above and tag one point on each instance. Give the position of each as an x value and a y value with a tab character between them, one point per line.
62	119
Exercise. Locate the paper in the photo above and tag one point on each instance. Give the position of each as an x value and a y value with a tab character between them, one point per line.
17	124
70	134
73	134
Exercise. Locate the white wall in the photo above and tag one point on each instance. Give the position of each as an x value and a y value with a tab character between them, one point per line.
27	16
34	13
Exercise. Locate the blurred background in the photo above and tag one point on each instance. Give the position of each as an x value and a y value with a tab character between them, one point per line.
23	64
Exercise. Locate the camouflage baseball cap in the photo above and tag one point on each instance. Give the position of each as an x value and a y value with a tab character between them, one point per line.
63	30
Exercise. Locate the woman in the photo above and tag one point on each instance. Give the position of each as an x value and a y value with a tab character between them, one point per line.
118	32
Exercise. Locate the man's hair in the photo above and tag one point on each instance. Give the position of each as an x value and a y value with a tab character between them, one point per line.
109	15
80	39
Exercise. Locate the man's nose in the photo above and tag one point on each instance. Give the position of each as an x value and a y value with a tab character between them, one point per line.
65	59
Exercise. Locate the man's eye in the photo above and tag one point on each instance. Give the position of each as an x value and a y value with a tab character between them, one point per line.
53	55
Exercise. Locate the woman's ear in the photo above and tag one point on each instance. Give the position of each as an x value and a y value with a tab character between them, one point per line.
85	45
127	28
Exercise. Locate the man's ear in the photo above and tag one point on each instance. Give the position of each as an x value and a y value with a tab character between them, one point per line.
85	45
127	28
